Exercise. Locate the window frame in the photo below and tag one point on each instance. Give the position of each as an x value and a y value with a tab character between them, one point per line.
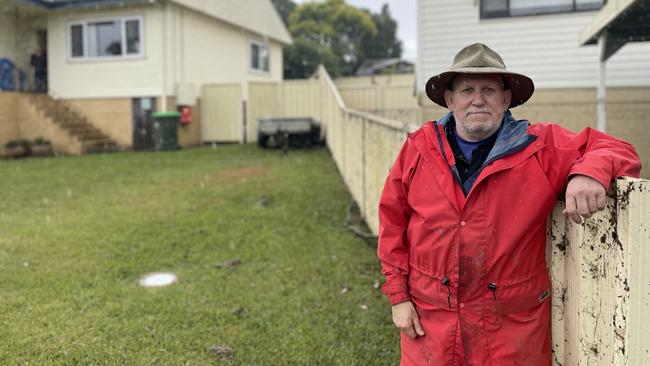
259	45
123	38
507	13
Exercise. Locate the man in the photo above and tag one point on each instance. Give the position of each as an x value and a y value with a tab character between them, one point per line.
39	63
462	235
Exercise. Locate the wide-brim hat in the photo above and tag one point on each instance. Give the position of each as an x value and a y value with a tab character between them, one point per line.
478	58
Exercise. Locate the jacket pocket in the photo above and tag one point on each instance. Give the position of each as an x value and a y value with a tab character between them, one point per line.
518	326
427	290
520	338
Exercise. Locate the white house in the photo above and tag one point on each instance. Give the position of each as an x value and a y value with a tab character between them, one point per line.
114	60
541	38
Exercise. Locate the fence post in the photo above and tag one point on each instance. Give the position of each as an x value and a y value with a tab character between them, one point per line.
362	209
601	282
633	236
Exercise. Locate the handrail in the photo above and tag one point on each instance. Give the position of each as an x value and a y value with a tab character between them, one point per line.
322	71
389	123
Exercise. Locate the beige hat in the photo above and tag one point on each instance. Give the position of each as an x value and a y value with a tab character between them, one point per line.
478	58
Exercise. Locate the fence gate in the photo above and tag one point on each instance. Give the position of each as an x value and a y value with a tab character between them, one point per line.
222	113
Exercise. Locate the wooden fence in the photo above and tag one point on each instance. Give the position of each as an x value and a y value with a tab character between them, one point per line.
388	96
600	270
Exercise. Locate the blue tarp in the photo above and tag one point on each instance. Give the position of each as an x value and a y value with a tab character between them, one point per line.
8	76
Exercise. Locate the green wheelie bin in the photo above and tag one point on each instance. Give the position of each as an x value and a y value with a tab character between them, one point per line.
165	130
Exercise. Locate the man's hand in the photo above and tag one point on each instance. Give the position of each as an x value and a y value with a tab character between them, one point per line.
406	319
584	196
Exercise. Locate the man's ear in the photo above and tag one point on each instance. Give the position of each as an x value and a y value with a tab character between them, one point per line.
449	99
507	97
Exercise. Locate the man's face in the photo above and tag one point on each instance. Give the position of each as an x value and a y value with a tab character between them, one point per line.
478	103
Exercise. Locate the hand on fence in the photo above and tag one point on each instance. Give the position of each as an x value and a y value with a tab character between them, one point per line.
406	319
584	196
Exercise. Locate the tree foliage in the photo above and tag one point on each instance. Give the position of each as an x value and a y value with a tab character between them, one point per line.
304	56
385	43
284	8
337	35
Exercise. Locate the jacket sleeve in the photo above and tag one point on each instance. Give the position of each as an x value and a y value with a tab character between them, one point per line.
394	215
589	152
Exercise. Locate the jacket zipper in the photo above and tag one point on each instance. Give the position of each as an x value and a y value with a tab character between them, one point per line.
442	149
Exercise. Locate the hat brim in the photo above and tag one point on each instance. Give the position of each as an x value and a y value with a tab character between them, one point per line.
521	86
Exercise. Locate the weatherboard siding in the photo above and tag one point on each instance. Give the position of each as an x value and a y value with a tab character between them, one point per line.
212	51
544	47
181	46
107	77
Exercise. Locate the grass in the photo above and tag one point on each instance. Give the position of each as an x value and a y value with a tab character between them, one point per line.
77	233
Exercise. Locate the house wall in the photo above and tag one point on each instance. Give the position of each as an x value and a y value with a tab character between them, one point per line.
628	111
189	46
181	47
205	50
20	119
8	118
33	124
544	47
105	78
7	31
18	26
113	116
190	134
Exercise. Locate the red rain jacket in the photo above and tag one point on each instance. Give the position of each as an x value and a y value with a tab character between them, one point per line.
474	265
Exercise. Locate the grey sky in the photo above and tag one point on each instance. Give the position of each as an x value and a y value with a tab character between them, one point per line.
403	11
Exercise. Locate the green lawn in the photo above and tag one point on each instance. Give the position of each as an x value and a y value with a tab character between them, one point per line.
77	233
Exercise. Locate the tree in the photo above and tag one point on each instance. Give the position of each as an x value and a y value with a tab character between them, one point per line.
332	26
385	43
337	35
284	8
303	57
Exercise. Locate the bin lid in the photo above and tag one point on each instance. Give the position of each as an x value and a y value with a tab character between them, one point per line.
166	115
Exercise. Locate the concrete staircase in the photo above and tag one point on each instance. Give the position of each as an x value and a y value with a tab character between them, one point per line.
92	139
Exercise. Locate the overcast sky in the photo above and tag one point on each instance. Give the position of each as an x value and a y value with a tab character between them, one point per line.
403	11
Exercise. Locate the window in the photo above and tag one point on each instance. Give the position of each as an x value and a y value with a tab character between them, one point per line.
106	38
509	8
260	56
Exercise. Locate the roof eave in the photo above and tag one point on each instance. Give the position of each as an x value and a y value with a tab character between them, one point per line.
72	4
603	19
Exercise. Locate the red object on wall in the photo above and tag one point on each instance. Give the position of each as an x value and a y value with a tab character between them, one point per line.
186	115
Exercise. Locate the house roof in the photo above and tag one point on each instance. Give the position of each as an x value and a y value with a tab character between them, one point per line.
623	20
258	16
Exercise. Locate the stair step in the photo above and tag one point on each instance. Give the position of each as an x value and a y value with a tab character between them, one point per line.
92	136
93	140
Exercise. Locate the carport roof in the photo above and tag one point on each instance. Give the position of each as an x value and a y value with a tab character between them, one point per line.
623	20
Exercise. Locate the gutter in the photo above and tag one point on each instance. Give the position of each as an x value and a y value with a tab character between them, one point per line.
84	4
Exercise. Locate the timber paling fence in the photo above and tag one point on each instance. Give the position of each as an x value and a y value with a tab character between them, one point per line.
600	269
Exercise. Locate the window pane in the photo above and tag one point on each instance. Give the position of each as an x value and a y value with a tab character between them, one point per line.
77	40
255	58
104	39
494	5
523	7
493	8
589	4
132	37
264	58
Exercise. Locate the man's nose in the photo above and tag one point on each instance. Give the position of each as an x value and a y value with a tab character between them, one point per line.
478	99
